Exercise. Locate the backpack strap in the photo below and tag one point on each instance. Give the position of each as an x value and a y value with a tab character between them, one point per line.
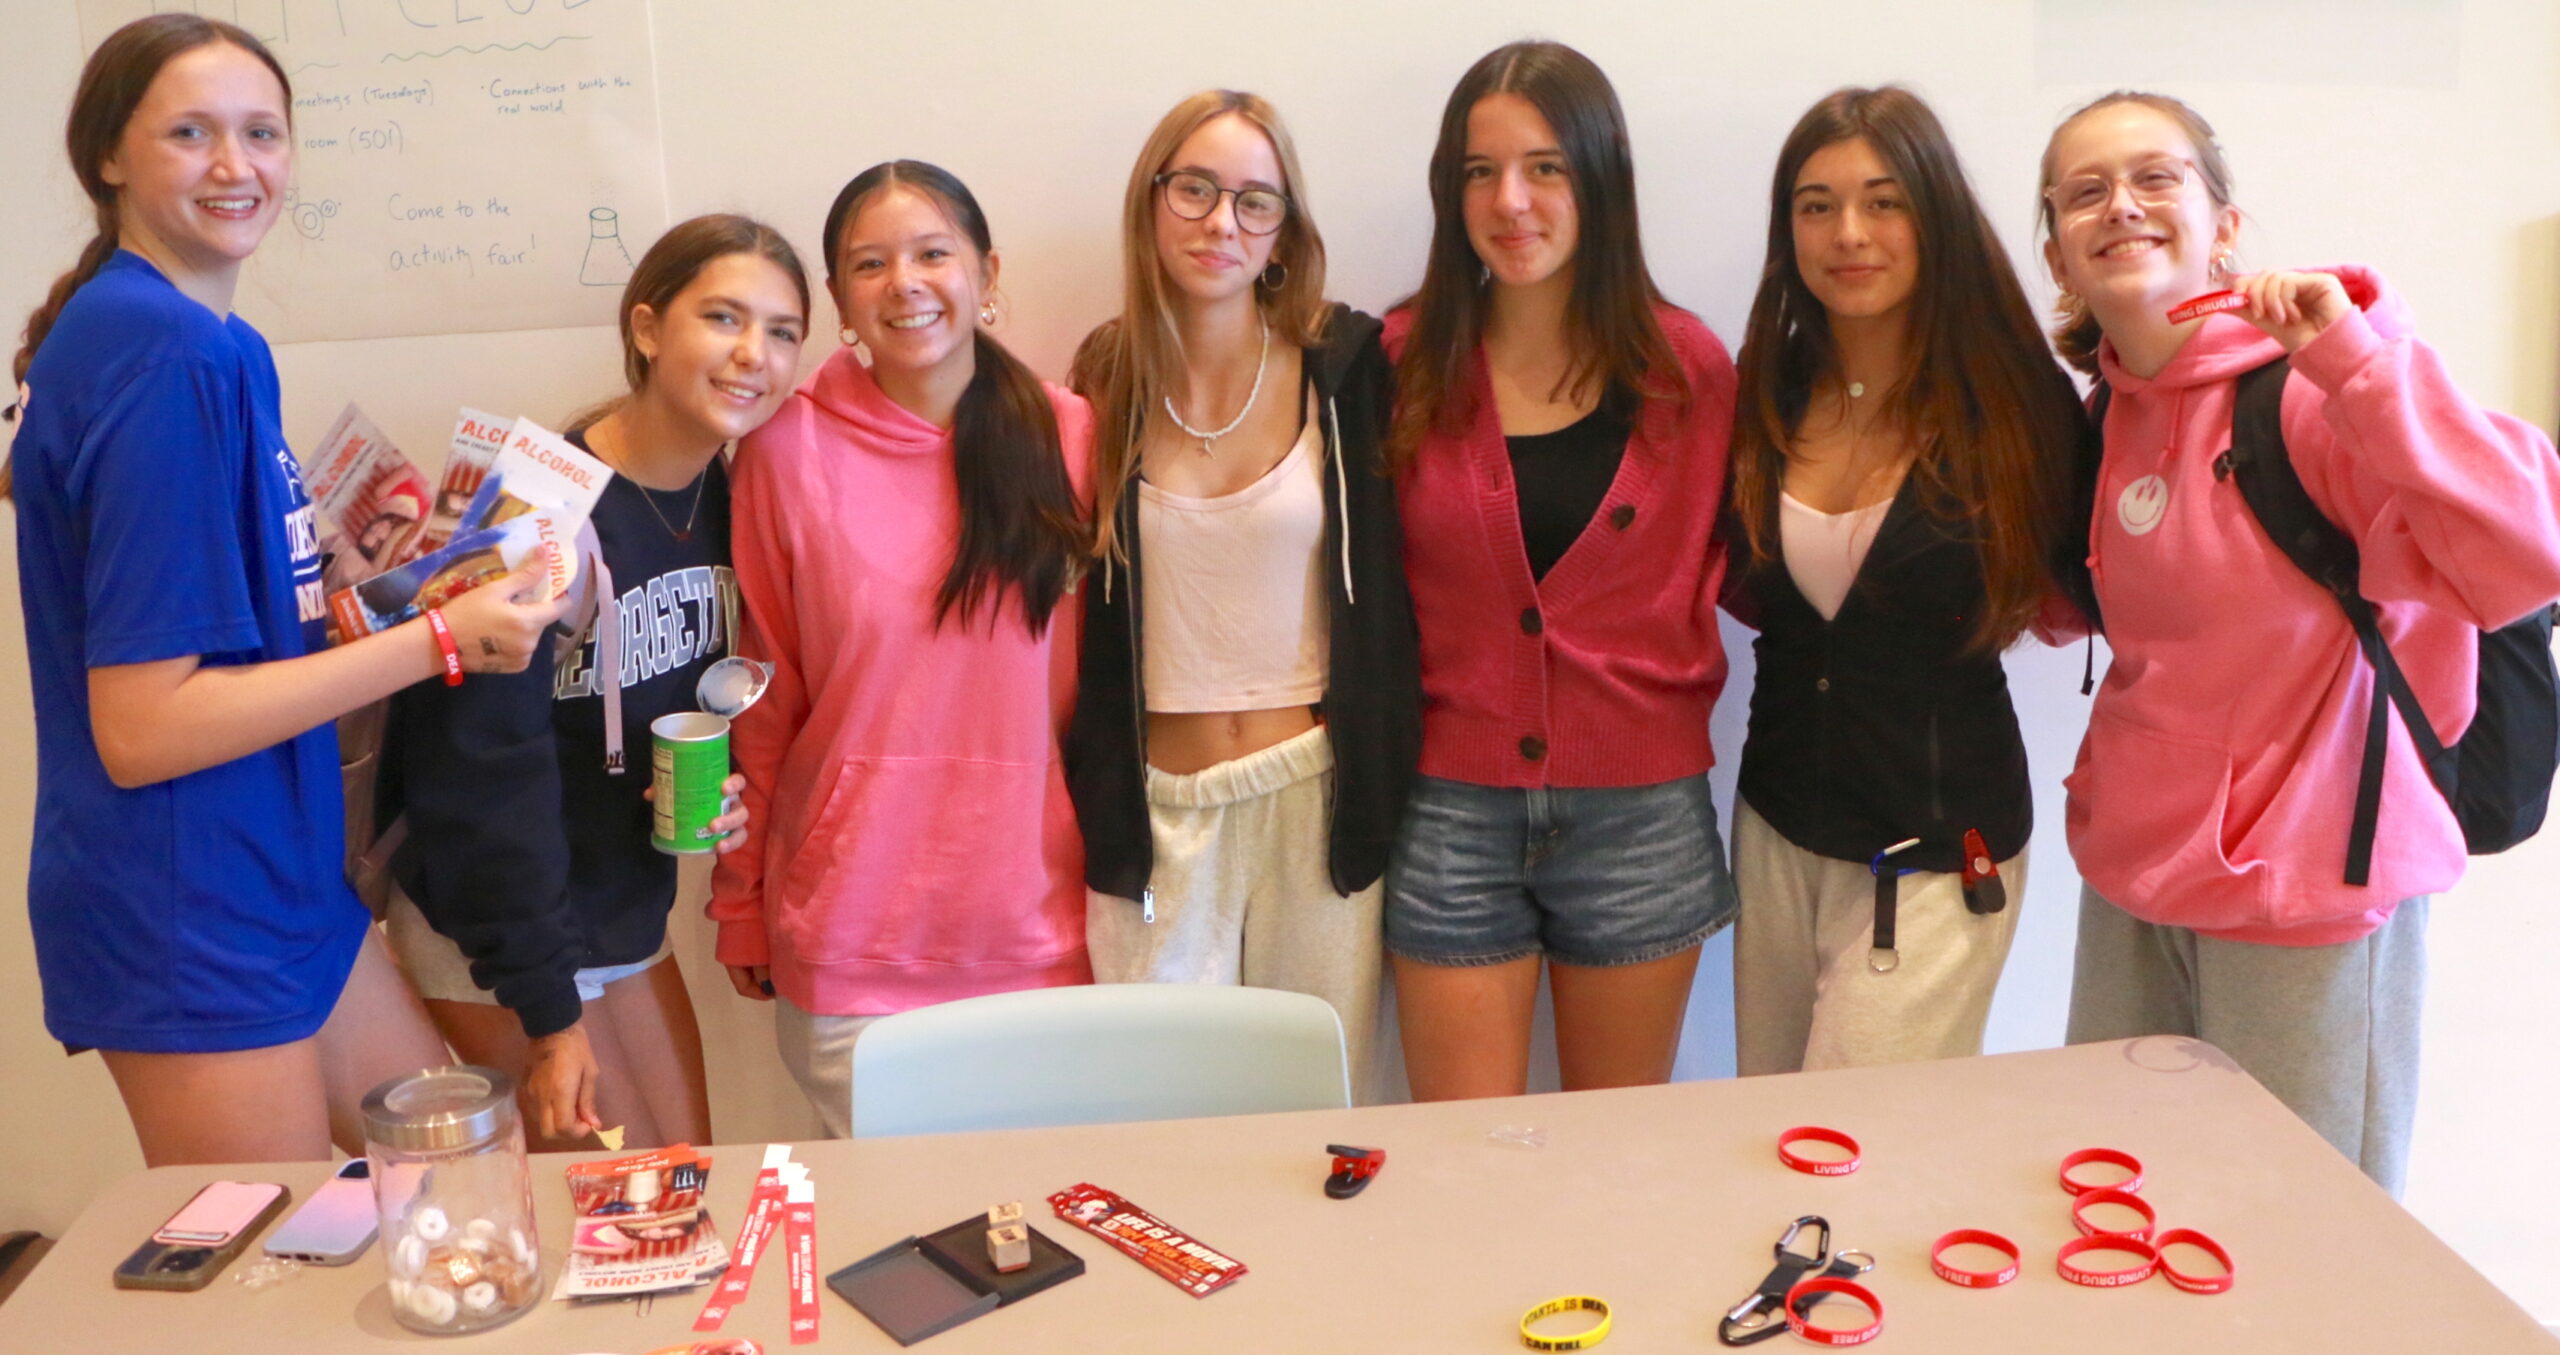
2262	468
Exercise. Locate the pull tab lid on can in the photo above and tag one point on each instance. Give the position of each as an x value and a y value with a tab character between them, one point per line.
731	685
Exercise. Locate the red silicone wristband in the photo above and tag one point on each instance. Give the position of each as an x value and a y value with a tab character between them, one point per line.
2113	1195
2208	304
1833	1336
1815	1166
2108	1155
1974	1279
444	641
2107	1279
2195	1284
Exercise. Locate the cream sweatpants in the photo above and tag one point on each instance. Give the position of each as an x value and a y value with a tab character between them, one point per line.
1243	894
1803	994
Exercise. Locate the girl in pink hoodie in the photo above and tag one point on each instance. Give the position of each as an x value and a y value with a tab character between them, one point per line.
2210	807
907	537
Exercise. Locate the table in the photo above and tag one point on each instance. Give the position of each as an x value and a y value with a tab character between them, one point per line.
1664	1200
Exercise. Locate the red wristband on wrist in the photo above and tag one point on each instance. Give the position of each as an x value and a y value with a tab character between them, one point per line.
1816	1166
444	641
1833	1336
1974	1279
2195	1284
2107	1155
2113	1195
2108	1279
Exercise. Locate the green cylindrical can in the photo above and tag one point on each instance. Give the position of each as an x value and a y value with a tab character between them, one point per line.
688	759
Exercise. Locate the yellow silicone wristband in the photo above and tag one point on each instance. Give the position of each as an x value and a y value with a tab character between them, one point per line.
1568	1304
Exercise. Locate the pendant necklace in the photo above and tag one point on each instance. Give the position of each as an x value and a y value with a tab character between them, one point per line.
1209	439
650	497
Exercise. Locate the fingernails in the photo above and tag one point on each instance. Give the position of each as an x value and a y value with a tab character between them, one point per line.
767	986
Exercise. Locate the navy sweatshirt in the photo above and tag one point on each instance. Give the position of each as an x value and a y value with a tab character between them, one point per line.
523	848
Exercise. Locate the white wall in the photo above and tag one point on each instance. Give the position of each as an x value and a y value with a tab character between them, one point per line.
2421	136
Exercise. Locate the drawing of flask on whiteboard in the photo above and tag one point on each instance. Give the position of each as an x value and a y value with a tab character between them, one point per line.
608	263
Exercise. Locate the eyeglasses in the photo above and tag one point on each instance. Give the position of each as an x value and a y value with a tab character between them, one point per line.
1259	211
2155	183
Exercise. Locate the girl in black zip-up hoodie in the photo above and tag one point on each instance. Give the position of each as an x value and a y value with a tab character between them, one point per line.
1248	710
1901	447
528	856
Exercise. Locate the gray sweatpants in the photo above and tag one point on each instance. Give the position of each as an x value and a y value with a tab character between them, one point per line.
2331	1030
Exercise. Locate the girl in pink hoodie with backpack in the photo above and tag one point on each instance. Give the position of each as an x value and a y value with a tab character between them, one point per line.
2211	808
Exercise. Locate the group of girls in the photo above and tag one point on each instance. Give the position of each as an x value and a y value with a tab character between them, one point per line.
1283	646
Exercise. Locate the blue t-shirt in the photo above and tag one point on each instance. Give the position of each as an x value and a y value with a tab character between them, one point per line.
160	515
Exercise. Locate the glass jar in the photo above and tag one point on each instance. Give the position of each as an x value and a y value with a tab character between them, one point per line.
456	1199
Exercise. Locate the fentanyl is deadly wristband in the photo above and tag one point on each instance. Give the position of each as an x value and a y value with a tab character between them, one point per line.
2116	1196
444	641
1592	1336
2107	1279
1814	1166
1973	1279
2192	1283
1800	1299
2108	1156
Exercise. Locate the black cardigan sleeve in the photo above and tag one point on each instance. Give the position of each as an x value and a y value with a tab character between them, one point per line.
487	857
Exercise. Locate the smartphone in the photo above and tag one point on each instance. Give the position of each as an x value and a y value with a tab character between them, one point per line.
202	1237
335	1225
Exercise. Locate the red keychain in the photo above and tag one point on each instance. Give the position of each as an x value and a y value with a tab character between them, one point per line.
1983	891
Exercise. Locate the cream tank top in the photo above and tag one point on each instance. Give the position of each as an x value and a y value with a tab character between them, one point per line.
1234	600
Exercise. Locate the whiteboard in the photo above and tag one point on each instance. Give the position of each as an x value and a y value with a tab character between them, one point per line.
460	166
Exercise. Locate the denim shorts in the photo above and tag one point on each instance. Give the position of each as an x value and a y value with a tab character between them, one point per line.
1598	876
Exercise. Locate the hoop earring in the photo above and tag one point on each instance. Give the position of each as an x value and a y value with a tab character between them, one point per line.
987	314
1275	276
846	336
2219	271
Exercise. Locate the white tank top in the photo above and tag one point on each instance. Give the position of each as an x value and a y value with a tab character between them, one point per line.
1234	598
1823	550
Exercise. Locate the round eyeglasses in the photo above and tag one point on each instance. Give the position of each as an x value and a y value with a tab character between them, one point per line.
1193	196
2154	183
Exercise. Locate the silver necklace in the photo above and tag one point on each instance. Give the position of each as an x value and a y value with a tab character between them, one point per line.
650	497
1208	440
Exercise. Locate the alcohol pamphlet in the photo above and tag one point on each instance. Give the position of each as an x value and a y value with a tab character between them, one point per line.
370	500
640	1226
477	439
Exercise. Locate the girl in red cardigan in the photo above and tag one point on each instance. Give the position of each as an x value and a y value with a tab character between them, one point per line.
1560	436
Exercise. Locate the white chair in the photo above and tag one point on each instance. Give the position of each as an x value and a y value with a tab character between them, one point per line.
1097	1054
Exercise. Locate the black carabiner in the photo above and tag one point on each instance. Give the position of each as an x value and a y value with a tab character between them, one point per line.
1772	1293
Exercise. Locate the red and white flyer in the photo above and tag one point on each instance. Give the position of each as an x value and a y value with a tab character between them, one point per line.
640	1226
477	438
1195	1269
369	499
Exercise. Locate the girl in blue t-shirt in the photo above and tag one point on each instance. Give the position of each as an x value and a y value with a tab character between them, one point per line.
191	920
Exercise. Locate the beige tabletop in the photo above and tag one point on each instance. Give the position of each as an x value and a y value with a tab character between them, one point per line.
1663	1200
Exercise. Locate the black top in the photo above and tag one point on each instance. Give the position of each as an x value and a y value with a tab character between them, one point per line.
1373	684
1879	724
522	847
1561	477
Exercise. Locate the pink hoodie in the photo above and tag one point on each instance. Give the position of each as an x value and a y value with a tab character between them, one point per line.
2218	777
914	842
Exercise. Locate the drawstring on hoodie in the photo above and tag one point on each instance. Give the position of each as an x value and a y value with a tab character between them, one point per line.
1342	498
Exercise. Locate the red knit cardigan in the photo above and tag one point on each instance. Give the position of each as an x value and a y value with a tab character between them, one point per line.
1604	672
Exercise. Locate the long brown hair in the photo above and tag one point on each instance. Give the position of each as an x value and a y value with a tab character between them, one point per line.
1617	342
671	265
1128	365
2076	334
112	85
1993	421
1019	525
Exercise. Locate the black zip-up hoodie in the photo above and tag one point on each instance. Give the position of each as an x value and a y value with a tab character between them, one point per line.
1881	724
1373	687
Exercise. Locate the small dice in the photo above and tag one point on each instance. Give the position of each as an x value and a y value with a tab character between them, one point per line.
1009	1248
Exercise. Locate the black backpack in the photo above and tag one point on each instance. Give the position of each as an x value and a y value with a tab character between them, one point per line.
2497	776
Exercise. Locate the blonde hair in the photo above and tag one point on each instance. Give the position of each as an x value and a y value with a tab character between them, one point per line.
1128	365
2076	336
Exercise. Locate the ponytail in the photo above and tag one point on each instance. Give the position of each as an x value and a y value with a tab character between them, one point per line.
101	247
1018	521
